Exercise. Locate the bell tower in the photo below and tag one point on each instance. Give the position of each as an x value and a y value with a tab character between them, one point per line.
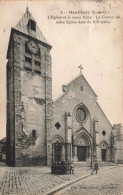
29	96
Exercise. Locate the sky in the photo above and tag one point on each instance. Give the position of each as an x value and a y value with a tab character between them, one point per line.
97	47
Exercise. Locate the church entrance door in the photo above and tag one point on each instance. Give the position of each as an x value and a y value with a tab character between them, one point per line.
104	150
81	153
103	154
58	149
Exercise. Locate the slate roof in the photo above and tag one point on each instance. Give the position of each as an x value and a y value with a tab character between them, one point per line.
3	140
22	26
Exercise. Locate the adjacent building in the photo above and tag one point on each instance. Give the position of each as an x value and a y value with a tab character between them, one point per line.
3	149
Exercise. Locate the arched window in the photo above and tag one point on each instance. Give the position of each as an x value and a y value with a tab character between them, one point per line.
34	133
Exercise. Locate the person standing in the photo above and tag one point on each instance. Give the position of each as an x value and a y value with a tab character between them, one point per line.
96	167
72	168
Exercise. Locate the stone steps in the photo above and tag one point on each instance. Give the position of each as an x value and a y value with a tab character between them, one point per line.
104	164
79	164
88	164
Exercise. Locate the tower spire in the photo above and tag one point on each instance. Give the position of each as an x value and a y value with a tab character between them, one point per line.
22	26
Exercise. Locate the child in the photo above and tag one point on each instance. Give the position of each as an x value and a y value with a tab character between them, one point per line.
72	168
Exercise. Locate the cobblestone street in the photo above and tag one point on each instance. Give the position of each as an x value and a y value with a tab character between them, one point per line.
39	180
109	182
33	180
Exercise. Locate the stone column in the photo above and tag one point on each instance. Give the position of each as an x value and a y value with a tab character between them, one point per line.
95	140
68	136
99	157
48	107
98	149
63	152
75	158
108	154
88	157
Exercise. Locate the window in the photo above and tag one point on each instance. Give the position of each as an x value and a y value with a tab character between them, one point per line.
57	125
37	72
80	114
26	48
37	63
33	133
103	132
27	59
81	88
28	69
32	25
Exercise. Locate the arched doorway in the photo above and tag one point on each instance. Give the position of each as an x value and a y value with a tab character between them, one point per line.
58	150
104	147
83	147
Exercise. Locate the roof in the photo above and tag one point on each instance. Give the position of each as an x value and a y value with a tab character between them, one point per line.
104	114
22	26
3	140
79	76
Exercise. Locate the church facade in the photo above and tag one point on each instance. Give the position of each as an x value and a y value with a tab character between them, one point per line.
79	120
34	121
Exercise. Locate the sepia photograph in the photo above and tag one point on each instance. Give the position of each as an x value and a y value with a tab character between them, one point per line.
61	97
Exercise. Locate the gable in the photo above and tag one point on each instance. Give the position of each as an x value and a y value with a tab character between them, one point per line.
82	85
78	87
73	96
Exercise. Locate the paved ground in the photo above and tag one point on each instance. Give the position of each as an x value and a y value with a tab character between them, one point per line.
34	180
109	182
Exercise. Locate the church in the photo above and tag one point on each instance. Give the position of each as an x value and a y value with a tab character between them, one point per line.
35	122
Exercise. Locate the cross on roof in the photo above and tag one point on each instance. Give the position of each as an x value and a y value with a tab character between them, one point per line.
27	8
80	68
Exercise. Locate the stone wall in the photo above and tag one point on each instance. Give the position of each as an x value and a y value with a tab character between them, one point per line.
48	107
32	107
118	143
10	127
74	96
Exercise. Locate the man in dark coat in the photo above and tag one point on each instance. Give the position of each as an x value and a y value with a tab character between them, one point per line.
96	167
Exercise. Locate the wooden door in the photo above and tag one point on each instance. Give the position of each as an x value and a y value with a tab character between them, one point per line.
81	153
103	154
